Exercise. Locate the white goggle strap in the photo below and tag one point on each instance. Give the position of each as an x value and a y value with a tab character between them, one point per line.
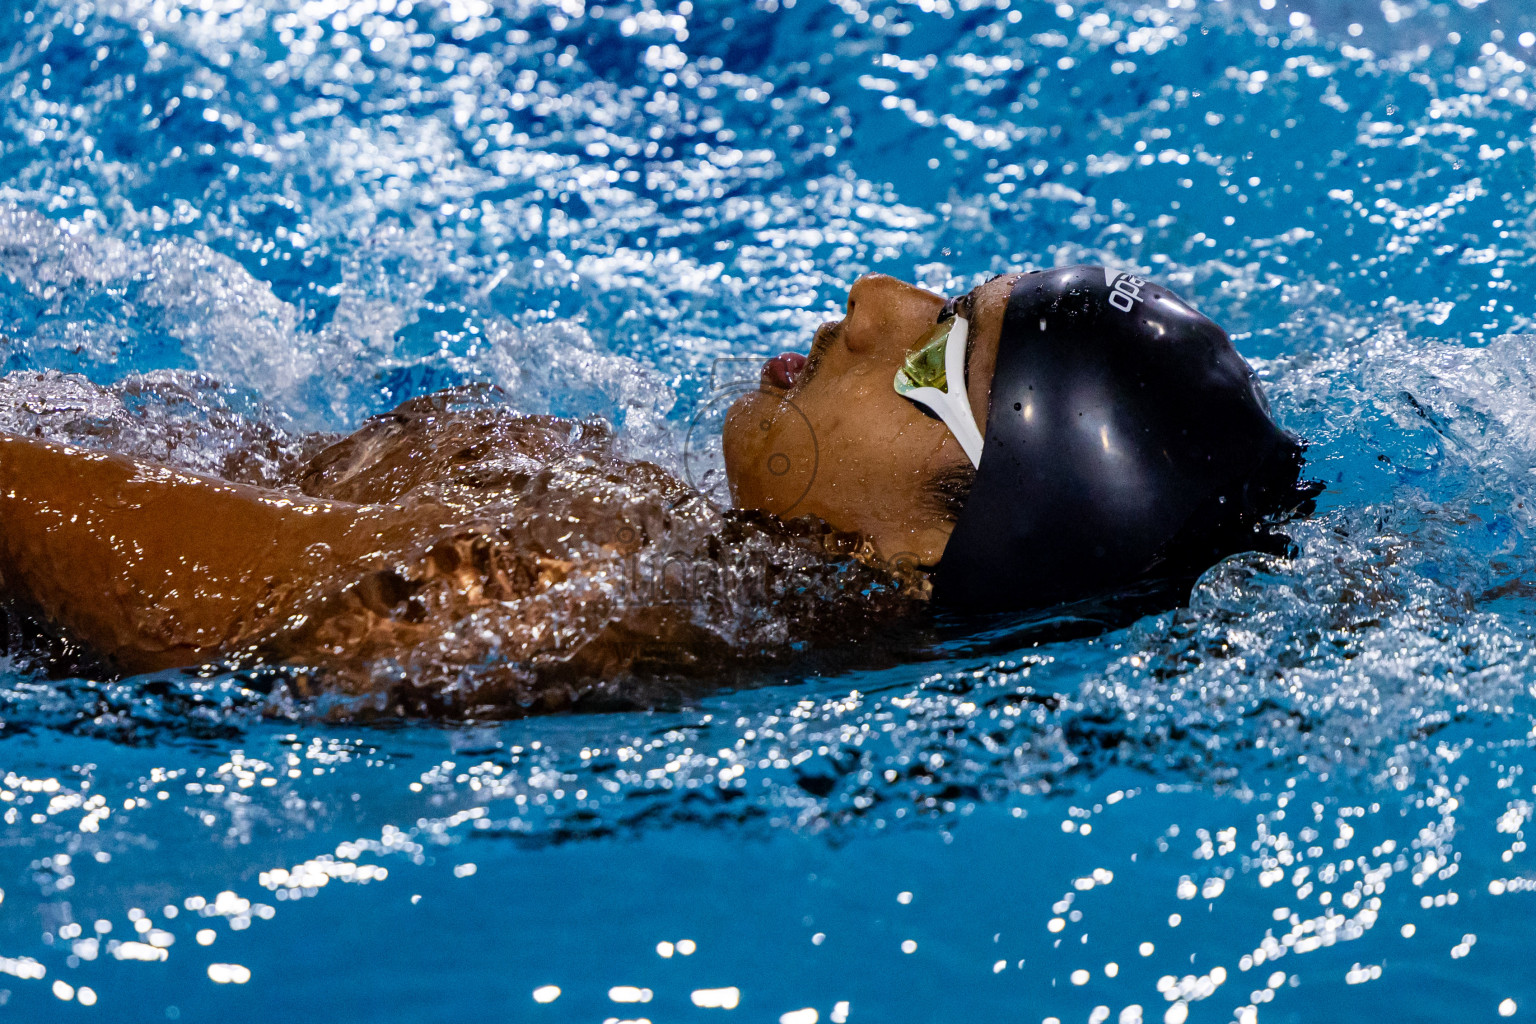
952	405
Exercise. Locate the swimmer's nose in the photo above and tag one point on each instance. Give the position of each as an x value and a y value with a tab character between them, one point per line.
886	315
782	371
868	289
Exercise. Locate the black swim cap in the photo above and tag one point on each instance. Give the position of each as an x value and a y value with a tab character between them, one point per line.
1126	441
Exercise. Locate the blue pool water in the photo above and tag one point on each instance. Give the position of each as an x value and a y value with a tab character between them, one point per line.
1300	798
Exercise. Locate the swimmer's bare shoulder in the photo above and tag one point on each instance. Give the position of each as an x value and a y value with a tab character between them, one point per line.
382	543
153	567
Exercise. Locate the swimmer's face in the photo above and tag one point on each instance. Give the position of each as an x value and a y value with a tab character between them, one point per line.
827	435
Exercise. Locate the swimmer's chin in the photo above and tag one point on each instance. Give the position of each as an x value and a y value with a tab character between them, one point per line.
761	429
733	439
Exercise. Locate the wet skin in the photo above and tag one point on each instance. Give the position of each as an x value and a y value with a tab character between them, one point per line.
829	437
154	568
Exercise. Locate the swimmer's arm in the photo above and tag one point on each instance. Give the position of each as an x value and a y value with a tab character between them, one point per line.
154	567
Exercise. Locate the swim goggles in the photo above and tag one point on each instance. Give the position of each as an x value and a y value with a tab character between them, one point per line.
933	376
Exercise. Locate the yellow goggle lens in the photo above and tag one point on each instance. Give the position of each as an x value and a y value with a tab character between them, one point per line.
924	365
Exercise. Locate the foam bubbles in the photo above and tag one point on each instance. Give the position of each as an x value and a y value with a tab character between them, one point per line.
234	226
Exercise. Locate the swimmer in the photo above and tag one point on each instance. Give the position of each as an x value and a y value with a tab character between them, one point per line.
1047	438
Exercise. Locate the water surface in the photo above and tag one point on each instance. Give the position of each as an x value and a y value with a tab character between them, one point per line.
1300	798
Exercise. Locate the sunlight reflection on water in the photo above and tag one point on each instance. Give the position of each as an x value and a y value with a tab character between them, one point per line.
1303	793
